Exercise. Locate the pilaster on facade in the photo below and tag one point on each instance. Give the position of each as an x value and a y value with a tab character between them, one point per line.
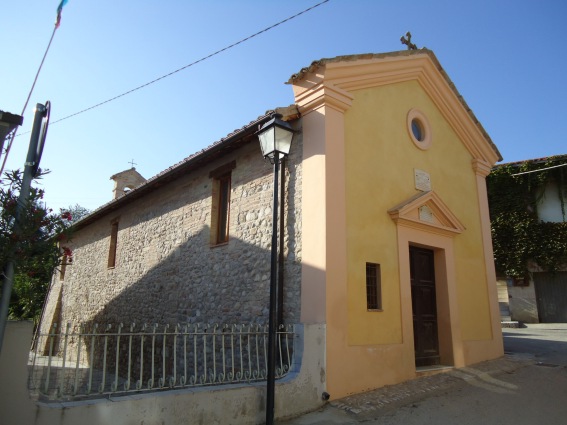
323	206
482	169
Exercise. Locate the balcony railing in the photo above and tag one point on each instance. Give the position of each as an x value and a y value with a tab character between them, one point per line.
89	361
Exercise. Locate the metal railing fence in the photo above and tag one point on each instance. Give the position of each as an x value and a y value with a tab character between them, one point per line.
94	361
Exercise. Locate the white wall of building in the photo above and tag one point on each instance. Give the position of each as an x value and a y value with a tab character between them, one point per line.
549	205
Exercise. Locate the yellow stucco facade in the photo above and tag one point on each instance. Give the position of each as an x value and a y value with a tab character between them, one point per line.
371	190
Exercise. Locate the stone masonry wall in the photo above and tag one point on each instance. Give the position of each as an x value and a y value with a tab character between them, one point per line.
166	270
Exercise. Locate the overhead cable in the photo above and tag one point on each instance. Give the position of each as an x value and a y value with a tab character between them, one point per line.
539	169
192	63
57	25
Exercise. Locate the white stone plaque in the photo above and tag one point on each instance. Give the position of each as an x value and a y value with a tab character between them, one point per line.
422	180
425	214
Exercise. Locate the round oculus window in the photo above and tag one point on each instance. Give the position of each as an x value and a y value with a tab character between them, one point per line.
419	129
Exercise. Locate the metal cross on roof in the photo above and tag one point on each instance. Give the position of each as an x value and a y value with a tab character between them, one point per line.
407	41
132	163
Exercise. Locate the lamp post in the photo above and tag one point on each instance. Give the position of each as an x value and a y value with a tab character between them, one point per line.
275	141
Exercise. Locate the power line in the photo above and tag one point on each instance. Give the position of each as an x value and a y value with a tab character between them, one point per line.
192	63
13	136
540	169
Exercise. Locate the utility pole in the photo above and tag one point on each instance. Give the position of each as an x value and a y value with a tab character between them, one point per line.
37	141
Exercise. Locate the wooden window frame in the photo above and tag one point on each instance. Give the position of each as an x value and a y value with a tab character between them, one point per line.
223	209
113	244
220	208
373	287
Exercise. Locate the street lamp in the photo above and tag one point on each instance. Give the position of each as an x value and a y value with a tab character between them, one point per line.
275	141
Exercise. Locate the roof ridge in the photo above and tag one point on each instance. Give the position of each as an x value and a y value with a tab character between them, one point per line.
344	58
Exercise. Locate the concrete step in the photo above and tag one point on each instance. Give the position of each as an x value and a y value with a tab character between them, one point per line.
510	324
432	370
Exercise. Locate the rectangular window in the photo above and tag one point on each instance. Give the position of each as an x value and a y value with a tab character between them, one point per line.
223	209
220	208
521	281
113	243
373	287
63	268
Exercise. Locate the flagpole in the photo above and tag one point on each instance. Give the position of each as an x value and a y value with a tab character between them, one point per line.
57	23
39	69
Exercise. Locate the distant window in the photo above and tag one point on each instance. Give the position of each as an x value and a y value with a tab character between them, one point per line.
63	268
521	281
373	287
113	243
223	208
220	205
549	202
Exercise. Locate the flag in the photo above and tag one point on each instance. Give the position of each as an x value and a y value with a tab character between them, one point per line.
59	9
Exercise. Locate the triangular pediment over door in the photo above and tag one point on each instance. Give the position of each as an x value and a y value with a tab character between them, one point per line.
426	211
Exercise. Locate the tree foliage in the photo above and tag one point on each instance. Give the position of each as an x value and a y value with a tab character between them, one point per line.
518	236
77	212
33	243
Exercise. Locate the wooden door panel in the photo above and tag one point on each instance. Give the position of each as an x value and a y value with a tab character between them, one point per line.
428	303
551	296
424	305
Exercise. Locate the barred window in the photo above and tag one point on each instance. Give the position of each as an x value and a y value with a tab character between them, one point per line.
373	287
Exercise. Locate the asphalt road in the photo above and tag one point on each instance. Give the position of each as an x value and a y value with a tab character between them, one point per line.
526	387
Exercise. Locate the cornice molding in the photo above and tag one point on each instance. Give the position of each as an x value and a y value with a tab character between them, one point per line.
481	168
323	94
443	221
342	77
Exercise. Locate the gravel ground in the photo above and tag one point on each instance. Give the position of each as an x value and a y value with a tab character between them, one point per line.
366	406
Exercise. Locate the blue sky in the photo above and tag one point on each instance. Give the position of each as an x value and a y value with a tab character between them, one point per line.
505	57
